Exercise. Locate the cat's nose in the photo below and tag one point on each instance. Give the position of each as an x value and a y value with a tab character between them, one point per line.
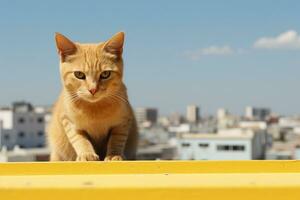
93	91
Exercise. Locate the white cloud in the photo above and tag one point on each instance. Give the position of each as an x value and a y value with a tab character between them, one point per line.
215	50
209	51
287	40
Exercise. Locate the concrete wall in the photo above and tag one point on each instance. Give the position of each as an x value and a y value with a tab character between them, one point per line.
6	116
197	149
30	129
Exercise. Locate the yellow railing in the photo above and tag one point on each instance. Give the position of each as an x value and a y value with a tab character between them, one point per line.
205	180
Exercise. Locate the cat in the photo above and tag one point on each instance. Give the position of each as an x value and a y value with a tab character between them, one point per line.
92	118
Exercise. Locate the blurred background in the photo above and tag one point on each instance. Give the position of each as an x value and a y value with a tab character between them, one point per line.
209	80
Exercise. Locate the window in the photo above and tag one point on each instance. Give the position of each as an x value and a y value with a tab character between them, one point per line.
230	147
223	147
185	144
21	134
238	148
21	120
40	133
203	145
40	120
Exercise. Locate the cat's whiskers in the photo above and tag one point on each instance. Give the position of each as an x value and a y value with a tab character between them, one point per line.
121	95
72	97
112	98
121	98
117	96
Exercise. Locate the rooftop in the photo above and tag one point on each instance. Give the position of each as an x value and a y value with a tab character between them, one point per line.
230	134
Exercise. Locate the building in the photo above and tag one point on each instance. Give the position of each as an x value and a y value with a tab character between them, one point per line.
253	125
275	132
24	155
146	115
286	126
22	125
154	144
222	113
153	135
231	144
253	113
297	152
192	114
289	122
176	119
225	120
182	128
282	150
208	124
157	152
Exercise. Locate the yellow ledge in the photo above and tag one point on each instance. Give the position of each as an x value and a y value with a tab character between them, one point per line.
205	180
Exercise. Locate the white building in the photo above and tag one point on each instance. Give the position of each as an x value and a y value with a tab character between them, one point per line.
222	113
289	122
192	113
146	115
24	155
230	144
253	125
183	128
226	120
254	113
22	125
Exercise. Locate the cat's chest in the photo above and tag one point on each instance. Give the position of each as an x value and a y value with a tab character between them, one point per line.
97	123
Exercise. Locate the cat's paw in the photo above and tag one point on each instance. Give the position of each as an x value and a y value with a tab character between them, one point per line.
113	158
88	156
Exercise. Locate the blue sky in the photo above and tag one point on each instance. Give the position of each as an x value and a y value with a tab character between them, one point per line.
212	53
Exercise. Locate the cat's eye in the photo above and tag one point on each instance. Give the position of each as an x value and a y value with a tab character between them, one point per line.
105	75
79	75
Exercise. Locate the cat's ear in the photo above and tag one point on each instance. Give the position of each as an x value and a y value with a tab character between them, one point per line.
115	44
64	46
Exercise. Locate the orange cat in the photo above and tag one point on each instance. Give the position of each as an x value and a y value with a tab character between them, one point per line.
92	119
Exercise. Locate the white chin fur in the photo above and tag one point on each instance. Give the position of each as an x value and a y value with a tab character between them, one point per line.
91	99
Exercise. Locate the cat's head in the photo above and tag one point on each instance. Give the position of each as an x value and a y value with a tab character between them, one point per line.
91	72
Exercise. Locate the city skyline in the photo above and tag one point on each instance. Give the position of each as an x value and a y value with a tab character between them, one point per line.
209	53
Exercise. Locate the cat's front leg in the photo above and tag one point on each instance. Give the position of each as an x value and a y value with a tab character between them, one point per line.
113	158
87	156
80	142
117	142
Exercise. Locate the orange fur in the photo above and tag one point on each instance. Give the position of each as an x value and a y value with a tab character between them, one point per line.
87	126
